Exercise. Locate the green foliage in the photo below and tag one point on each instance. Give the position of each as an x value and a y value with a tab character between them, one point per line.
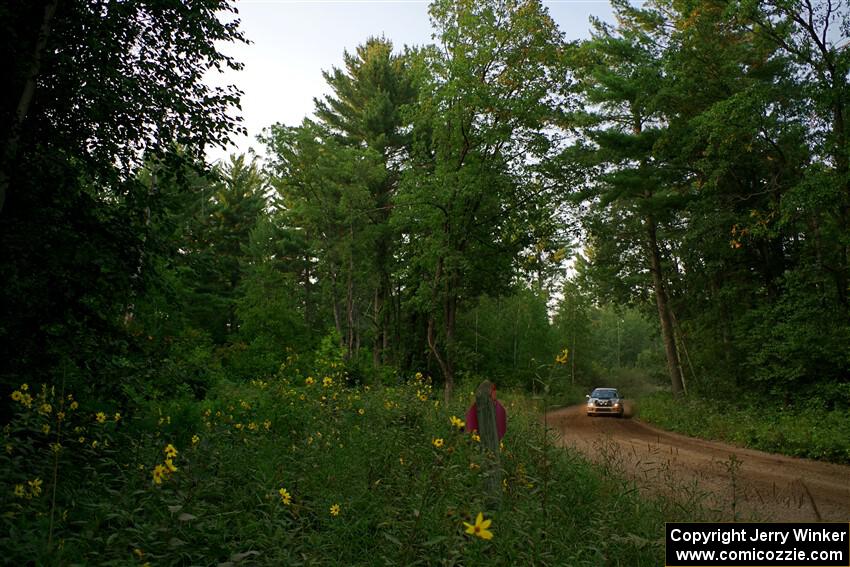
200	481
815	429
617	346
95	91
698	169
475	197
794	339
506	338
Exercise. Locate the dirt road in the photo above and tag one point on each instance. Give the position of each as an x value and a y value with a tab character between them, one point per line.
734	482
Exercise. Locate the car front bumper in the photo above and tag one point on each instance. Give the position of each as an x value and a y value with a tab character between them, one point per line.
604	410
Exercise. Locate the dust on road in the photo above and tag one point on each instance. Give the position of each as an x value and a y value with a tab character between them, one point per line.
732	481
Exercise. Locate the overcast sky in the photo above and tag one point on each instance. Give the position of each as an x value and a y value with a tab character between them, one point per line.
294	40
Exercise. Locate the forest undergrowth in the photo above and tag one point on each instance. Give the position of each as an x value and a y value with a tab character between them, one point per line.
305	469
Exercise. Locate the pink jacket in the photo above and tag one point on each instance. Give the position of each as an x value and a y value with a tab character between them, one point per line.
501	419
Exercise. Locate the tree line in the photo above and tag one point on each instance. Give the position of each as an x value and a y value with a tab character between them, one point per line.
678	181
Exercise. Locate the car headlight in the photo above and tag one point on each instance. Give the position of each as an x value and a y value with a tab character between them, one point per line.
616	404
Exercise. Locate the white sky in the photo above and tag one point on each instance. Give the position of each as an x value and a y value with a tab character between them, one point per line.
294	40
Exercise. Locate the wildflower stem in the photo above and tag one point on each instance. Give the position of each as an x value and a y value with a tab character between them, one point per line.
56	461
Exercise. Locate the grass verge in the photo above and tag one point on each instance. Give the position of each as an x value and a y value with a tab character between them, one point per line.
809	433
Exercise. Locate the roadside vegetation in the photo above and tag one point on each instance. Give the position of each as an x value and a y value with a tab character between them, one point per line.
302	469
818	428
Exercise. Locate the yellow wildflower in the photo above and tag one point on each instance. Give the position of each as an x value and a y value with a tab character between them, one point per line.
74	405
457	422
45	409
139	553
309	381
25	387
361	411
45	429
35	486
60	415
195	439
267	425
170	451
100	417
335	510
438	442
17	396
117	417
475	436
479	529
159	473
94	444
285	496
327	382
562	357
252	426
19	490
169	464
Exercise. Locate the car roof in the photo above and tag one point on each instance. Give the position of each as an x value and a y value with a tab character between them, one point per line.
598	389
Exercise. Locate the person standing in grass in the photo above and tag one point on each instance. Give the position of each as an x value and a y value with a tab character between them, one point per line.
501	416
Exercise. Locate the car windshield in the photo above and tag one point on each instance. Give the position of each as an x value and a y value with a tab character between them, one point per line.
604	394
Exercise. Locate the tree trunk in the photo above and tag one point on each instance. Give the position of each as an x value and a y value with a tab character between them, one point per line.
573	355
337	314
10	144
843	166
308	296
378	339
661	301
349	342
443	359
451	316
136	277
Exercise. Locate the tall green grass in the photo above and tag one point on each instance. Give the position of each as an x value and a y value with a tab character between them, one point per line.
404	479
799	432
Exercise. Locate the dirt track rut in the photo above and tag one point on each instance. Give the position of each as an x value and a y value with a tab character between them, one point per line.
752	485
